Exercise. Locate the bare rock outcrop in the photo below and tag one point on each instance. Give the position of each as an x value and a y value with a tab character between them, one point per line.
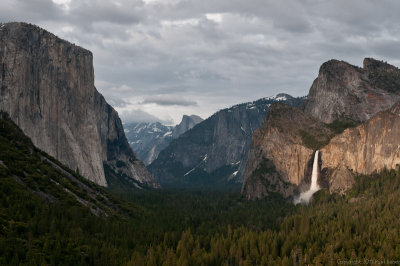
282	150
343	91
47	88
340	180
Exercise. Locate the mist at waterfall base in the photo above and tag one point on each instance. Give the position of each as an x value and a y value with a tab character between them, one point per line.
305	196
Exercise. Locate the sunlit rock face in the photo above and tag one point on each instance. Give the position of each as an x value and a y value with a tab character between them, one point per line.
282	151
47	87
369	147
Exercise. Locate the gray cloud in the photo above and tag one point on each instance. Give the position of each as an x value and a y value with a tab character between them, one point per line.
137	115
218	52
168	101
29	11
117	102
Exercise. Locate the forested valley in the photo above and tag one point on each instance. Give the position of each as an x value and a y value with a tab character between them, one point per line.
42	222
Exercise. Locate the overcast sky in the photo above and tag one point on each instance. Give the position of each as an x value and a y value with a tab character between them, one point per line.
160	59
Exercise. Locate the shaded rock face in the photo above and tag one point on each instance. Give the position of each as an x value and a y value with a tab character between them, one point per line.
343	91
187	123
284	147
369	147
215	150
47	88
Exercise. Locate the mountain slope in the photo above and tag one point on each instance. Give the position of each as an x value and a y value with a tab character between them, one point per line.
45	177
215	151
47	88
49	214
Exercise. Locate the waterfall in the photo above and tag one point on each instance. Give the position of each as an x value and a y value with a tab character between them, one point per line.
314	176
306	195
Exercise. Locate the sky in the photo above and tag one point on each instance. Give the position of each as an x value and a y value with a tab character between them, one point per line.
156	60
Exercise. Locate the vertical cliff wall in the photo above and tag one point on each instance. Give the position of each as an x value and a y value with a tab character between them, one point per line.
282	151
369	147
47	88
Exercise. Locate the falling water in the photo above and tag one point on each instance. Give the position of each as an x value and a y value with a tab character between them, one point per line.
305	196
314	176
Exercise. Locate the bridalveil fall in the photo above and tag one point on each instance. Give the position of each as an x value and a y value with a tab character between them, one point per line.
306	195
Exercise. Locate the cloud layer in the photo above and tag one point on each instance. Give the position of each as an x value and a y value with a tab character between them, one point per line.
167	58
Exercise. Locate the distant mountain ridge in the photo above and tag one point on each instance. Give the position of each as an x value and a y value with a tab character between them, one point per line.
187	123
214	151
148	139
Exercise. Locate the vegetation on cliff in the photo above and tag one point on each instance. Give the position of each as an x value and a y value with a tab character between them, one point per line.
383	75
313	141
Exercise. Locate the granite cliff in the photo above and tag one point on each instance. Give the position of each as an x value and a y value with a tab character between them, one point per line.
346	92
282	151
343	96
364	149
47	88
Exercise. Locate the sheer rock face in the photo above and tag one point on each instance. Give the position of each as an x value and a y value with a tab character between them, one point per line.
369	147
187	123
280	155
47	87
344	91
